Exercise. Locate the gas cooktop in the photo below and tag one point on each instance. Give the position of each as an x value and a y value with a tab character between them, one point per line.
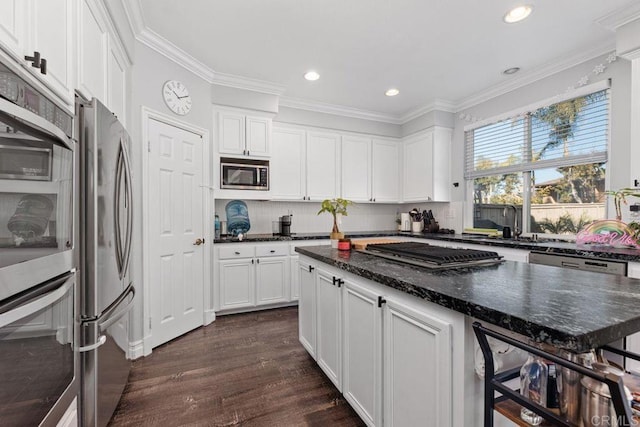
433	257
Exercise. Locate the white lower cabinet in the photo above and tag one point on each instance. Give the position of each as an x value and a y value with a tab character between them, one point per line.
251	275
417	367
307	307
362	351
329	326
294	292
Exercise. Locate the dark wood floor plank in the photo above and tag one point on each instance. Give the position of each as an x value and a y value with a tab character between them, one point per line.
244	369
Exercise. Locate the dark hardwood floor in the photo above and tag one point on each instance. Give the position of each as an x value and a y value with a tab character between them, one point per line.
243	369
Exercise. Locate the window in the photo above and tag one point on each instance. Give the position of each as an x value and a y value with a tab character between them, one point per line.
546	165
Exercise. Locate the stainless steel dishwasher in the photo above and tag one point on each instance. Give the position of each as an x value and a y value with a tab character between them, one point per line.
578	262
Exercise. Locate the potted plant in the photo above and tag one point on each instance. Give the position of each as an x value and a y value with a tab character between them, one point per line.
620	196
335	207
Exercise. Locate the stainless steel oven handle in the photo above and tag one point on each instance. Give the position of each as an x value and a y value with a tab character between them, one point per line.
113	318
101	340
36	305
129	207
116	211
26	119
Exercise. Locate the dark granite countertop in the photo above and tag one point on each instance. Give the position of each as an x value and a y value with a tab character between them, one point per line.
551	246
569	309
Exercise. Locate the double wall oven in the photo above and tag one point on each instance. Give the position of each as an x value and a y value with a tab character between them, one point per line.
38	283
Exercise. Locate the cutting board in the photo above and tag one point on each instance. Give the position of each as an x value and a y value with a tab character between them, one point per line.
362	243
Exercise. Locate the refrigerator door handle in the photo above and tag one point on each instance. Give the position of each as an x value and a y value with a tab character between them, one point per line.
101	340
116	211
112	318
126	255
35	305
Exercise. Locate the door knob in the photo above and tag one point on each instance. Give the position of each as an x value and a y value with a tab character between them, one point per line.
198	242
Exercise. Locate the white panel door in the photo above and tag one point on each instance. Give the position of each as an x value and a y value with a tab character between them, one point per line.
356	168
417	368
237	283
307	307
362	350
287	165
329	327
272	280
51	30
418	173
385	172
231	135
176	223
92	72
323	165
258	136
12	27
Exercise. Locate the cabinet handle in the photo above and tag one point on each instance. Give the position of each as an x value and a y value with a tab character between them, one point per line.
252	260
311	268
374	200
248	153
35	59
258	261
272	251
381	301
237	253
340	282
43	66
334	281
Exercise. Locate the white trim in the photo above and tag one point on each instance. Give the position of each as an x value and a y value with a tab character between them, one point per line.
209	315
632	55
581	91
102	10
149	114
620	17
136	349
247	83
534	75
338	110
133	10
437	105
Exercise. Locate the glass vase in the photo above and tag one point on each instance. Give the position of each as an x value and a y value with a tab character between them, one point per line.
533	385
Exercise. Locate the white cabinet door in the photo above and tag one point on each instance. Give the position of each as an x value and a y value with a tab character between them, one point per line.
236	283
258	136
117	78
51	29
294	288
92	51
12	27
362	352
272	279
385	175
231	133
417	367
418	181
329	326
307	307
356	168
287	165
441	164
323	162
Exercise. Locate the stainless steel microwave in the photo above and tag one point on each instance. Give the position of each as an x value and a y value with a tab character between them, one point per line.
244	174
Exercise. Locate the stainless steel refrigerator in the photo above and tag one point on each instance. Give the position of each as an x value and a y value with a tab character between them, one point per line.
107	293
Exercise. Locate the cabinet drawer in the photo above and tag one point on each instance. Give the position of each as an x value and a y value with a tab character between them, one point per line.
236	251
272	250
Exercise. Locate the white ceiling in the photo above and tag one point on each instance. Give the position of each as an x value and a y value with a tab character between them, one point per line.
432	50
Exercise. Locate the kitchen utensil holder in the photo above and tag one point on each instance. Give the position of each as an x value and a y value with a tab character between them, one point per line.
494	381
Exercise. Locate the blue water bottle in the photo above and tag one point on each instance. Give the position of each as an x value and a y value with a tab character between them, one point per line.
217	227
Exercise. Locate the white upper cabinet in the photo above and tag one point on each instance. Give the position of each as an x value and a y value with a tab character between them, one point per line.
51	32
12	27
323	165
385	174
288	164
92	69
356	168
244	135
426	166
117	79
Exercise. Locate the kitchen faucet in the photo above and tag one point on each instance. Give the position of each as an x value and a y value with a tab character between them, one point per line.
516	230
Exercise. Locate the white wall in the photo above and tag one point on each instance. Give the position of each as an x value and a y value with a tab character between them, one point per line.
427	120
148	75
234	97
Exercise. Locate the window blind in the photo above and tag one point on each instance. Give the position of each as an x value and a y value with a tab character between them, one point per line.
574	131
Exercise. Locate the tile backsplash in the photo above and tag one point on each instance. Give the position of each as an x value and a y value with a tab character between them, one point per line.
362	216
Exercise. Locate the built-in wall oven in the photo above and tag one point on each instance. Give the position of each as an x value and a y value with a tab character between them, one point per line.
38	295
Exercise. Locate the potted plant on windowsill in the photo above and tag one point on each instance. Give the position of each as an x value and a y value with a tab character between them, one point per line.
335	207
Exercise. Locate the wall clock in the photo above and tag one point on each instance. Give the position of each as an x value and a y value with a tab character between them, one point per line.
176	96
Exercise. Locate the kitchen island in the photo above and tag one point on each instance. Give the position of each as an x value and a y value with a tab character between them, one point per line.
425	326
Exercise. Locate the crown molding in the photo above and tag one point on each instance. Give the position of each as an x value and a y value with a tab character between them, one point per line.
620	17
133	10
247	83
536	74
437	105
339	110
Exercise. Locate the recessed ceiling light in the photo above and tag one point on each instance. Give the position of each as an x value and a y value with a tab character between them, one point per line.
517	14
311	76
392	92
511	70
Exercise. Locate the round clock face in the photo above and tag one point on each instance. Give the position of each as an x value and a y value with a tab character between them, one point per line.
177	97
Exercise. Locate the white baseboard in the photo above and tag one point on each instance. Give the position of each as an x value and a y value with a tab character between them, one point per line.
209	317
136	349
